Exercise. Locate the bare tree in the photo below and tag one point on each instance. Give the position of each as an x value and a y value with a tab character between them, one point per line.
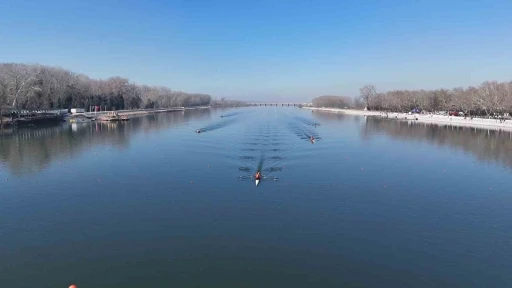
490	98
37	86
367	94
20	82
332	101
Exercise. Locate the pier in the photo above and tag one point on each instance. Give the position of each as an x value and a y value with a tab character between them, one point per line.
278	104
32	117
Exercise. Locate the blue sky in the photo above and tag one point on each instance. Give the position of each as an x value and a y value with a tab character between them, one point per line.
272	50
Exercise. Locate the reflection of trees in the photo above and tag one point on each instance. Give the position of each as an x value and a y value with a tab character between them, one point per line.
336	117
486	145
29	150
197	114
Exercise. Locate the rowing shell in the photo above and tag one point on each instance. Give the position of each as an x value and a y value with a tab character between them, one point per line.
257	182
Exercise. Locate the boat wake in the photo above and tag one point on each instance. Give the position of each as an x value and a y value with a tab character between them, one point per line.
215	126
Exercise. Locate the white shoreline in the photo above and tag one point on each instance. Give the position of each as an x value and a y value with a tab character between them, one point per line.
426	118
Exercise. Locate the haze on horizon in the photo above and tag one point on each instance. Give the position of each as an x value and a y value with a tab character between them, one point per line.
270	50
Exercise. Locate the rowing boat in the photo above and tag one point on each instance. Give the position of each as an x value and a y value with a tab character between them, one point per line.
257	182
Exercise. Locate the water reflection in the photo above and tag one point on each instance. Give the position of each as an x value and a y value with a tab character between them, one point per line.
30	150
486	145
336	117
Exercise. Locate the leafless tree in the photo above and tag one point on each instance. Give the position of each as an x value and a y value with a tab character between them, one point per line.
223	102
42	87
21	81
332	101
489	99
368	94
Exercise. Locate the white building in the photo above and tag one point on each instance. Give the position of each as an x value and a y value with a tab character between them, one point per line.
77	110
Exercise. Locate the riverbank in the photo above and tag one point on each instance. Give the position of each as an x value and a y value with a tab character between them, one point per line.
30	120
345	111
145	111
7	122
426	118
142	112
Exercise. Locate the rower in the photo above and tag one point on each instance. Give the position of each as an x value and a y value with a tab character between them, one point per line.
198	131
312	139
258	175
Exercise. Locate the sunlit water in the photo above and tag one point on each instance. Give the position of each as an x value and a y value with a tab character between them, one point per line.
151	203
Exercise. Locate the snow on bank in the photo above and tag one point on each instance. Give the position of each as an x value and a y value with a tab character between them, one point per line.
426	118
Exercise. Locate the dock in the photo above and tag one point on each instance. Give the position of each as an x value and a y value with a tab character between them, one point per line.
29	117
126	113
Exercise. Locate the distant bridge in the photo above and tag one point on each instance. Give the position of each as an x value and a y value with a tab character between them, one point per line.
278	104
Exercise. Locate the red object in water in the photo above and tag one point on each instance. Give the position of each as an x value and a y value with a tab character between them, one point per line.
72	286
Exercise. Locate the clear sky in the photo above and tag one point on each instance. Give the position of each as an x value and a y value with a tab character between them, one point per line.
269	49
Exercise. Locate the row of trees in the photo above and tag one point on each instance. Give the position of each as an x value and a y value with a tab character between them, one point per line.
223	102
41	87
490	98
332	101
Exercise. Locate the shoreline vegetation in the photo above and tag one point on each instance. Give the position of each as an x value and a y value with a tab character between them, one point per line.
488	105
489	99
33	92
39	87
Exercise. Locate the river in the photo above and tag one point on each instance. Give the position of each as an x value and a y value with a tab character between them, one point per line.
151	203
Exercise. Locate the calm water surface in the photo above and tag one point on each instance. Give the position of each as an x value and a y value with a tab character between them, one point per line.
150	203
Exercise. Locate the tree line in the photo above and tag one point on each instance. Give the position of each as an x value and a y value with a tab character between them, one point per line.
223	102
32	87
332	101
488	99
